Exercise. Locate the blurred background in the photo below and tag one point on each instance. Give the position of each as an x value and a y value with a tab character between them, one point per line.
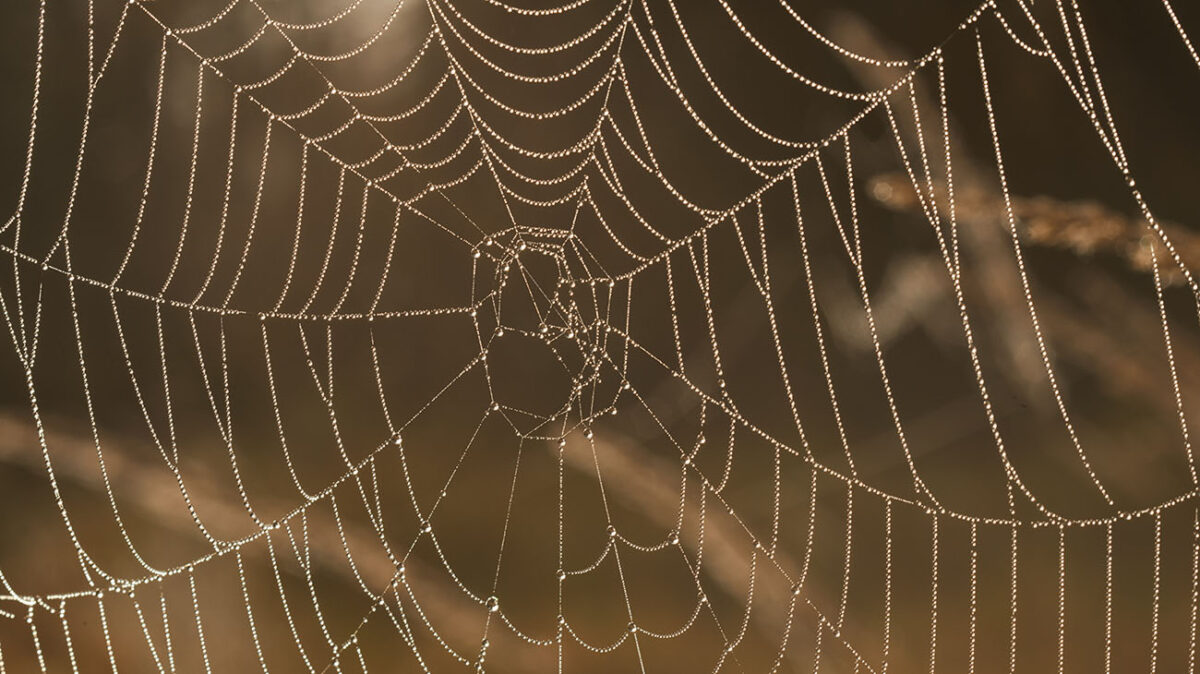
599	336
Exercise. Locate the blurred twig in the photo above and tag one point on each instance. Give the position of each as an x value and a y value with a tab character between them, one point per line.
150	490
913	284
984	238
1125	354
646	484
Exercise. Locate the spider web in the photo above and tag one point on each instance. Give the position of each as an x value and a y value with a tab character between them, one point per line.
437	336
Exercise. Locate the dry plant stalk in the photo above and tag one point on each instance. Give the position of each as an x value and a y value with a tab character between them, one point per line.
646	484
150	490
986	240
1082	227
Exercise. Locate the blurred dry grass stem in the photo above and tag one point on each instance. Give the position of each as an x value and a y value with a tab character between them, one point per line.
149	490
1082	227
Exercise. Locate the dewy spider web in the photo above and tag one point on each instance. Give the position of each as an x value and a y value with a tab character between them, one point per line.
327	353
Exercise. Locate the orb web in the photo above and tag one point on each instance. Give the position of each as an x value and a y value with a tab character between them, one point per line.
597	336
